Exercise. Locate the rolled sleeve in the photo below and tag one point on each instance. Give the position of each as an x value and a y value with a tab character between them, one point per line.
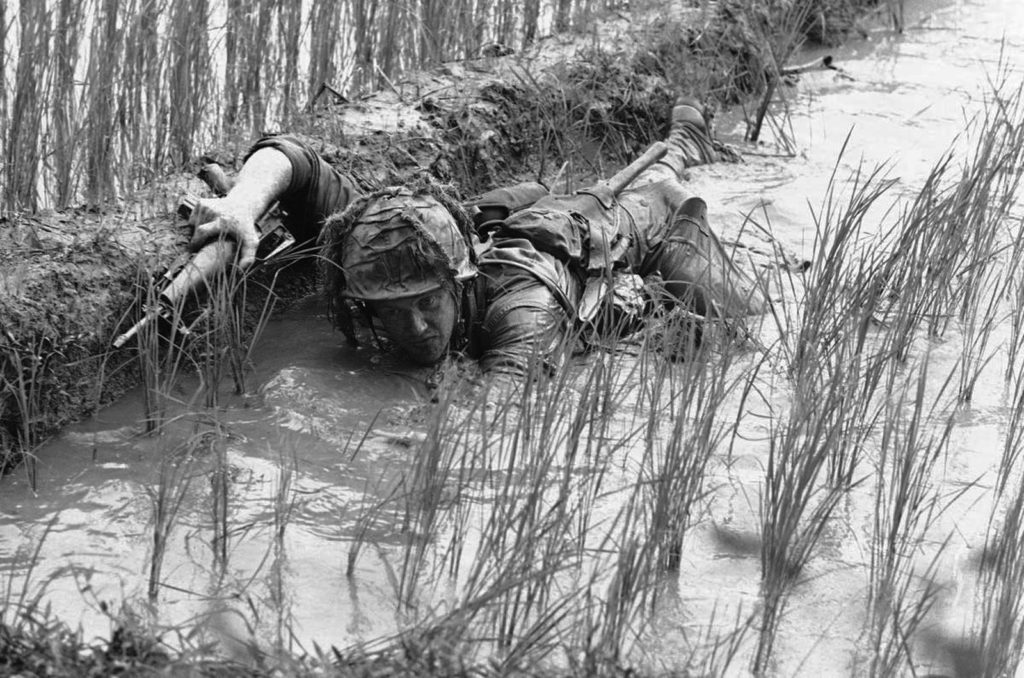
316	191
524	327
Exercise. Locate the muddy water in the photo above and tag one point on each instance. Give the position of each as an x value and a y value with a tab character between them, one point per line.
322	443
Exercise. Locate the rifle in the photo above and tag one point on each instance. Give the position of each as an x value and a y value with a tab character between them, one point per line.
619	181
190	274
590	201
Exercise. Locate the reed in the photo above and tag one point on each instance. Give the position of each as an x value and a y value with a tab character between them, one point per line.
167	497
502	478
837	369
673	469
188	77
220	495
914	441
220	335
64	106
998	634
1015	319
841	294
782	30
796	504
112	93
142	98
27	375
22	162
6	39
284	508
103	71
289	28
999	639
162	351
978	328
950	237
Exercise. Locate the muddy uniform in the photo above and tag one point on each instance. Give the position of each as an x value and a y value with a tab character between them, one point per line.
541	266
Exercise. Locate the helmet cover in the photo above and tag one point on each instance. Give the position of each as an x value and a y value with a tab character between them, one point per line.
401	245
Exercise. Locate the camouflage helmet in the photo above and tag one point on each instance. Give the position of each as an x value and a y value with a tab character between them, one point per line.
403	243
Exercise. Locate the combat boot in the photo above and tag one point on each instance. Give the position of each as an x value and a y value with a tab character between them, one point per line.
689	137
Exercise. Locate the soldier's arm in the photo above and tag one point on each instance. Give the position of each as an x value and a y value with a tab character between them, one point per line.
523	329
281	169
260	182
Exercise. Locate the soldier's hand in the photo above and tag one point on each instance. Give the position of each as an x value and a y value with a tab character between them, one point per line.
215	218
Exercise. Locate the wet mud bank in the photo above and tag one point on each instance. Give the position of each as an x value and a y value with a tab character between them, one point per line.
569	110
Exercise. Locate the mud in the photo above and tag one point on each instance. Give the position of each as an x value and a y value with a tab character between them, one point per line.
571	108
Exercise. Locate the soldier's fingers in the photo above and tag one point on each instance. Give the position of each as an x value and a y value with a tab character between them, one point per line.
204	233
246	252
201	213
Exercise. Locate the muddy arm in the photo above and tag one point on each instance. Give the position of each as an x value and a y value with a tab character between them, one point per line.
263	179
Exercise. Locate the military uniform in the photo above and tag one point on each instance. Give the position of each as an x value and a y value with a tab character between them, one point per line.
548	267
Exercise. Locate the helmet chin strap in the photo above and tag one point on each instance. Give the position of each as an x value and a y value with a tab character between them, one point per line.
460	335
470	317
466	305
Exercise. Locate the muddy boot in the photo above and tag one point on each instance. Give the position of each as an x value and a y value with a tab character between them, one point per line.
699	271
689	140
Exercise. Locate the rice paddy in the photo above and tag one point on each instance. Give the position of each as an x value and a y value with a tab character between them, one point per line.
835	489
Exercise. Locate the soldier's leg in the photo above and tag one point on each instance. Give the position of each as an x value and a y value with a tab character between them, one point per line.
673	239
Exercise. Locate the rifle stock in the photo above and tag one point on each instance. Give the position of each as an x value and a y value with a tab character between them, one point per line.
619	181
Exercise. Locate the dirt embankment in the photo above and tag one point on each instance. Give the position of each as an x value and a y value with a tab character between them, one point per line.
573	108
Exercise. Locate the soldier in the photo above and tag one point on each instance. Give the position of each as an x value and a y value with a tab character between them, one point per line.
413	265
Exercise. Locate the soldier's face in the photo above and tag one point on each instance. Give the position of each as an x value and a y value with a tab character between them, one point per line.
421	326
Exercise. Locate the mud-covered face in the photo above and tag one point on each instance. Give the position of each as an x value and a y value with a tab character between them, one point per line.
421	325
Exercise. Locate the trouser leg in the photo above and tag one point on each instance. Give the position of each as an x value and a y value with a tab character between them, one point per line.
673	239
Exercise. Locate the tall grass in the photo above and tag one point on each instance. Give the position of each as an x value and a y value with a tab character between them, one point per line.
237	308
937	269
24	126
1015	321
674	463
797	502
907	503
782	31
103	71
503	554
64	106
284	508
167	497
189	76
107	94
869	299
998	630
27	361
163	354
139	93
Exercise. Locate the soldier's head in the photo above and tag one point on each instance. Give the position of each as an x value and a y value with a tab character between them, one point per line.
403	256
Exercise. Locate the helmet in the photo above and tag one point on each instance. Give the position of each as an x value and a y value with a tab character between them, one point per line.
404	243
